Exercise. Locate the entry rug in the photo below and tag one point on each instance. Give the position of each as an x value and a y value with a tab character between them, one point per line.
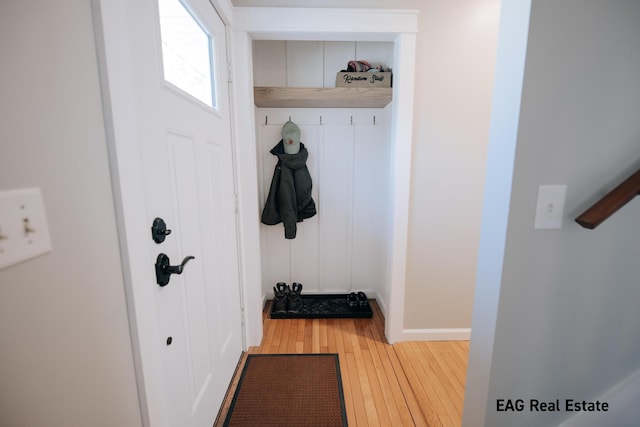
292	390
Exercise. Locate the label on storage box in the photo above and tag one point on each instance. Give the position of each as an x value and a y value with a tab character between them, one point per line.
365	79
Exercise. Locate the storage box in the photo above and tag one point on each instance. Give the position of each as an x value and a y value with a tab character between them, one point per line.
363	79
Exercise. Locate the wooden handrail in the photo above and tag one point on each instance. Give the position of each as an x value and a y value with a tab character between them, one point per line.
609	204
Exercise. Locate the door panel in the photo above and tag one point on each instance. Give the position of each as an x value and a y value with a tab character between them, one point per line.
200	163
189	331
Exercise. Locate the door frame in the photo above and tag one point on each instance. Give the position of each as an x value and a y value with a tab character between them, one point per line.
255	23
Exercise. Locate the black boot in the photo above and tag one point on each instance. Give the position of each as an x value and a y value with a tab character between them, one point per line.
294	300
352	301
281	293
363	301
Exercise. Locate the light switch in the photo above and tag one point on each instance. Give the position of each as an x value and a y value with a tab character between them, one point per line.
550	206
24	232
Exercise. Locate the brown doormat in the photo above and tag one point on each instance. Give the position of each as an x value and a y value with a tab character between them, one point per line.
289	390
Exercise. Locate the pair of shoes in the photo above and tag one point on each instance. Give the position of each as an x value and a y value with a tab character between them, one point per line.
357	301
286	299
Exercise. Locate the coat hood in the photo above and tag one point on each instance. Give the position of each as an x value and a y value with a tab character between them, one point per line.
292	161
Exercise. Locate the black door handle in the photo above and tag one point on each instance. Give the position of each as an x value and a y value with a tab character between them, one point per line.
164	269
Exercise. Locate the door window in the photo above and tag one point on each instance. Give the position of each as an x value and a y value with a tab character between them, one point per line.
187	51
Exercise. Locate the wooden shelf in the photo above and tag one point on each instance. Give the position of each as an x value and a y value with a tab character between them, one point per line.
337	97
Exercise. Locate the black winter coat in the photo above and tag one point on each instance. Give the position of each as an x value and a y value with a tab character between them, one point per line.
289	200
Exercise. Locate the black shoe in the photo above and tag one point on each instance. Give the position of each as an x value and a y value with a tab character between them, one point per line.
294	300
280	292
362	301
296	288
282	288
352	301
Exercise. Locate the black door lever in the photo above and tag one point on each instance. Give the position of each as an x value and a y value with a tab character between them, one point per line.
164	269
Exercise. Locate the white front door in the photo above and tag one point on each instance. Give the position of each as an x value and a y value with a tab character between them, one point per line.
166	73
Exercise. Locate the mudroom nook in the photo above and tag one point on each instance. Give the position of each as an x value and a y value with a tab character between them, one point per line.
344	247
359	148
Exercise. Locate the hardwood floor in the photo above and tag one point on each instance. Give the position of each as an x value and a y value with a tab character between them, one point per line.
405	384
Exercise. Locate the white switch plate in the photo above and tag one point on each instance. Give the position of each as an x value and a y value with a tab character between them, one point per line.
550	206
24	233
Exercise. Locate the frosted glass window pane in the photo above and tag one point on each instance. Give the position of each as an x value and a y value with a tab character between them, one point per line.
186	51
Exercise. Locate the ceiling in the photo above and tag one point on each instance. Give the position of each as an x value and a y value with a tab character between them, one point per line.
347	4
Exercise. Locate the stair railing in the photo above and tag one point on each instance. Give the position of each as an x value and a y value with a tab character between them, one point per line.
611	202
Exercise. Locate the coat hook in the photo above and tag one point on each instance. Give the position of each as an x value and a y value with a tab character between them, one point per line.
266	120
374	120
320	120
351	120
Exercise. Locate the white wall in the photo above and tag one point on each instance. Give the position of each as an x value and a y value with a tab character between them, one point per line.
567	316
456	53
65	352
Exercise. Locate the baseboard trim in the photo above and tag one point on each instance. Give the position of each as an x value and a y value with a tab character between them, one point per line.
451	334
382	305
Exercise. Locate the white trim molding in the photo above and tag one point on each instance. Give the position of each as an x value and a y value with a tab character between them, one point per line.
444	334
243	132
400	27
503	138
281	23
402	144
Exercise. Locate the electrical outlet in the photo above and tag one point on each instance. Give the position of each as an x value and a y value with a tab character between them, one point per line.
550	207
24	233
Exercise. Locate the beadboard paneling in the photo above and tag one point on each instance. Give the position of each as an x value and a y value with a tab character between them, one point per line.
343	247
279	63
304	64
370	207
336	191
269	63
336	57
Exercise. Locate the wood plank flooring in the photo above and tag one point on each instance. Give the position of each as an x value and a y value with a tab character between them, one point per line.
405	384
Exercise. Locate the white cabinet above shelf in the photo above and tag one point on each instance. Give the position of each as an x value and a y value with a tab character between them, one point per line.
337	97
